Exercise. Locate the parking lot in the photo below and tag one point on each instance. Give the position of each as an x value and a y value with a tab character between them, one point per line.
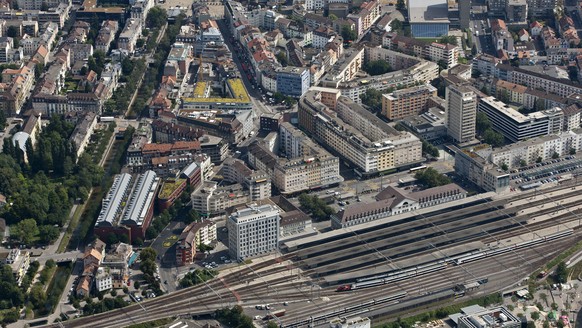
550	171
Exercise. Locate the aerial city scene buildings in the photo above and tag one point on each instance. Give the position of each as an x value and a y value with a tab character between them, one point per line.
300	163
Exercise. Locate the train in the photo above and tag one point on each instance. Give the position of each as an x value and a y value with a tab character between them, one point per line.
475	256
272	315
394	276
351	310
434	266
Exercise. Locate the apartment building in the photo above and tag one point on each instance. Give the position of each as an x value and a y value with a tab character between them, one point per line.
516	126
312	168
533	150
293	81
409	71
212	200
83	132
368	14
473	164
407	102
19	261
257	182
447	53
128	37
253	230
193	235
128	206
461	113
357	135
106	35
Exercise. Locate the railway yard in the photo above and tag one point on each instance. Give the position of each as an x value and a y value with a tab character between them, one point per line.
484	244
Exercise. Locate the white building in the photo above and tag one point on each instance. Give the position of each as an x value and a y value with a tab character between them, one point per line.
516	126
446	52
461	114
103	280
253	230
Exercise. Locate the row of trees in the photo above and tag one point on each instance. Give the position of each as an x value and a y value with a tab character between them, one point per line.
483	126
373	99
197	277
318	208
148	267
432	178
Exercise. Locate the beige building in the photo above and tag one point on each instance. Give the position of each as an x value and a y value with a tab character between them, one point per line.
305	165
357	135
211	200
407	102
461	113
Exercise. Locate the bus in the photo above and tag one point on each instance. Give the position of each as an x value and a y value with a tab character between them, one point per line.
417	169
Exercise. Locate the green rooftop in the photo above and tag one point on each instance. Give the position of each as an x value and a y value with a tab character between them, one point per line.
169	186
236	86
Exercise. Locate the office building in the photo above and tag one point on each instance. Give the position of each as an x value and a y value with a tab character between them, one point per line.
257	182
516	126
293	81
253	230
461	113
407	102
428	18
476	316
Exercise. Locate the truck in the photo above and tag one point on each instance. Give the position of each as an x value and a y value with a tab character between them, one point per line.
272	315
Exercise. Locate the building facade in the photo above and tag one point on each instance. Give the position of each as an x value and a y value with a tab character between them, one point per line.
407	102
253	231
461	114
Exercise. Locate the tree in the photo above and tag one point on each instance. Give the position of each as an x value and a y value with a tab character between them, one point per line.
48	233
38	69
493	138
482	122
348	33
12	31
272	324
136	285
544	297
25	231
555	155
193	216
157	17
148	253
561	273
504	167
372	98
432	178
572	150
282	58
400	5
539	159
2	120
396	25
332	17
503	95
449	39
535	316
139	43
377	67
531	324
